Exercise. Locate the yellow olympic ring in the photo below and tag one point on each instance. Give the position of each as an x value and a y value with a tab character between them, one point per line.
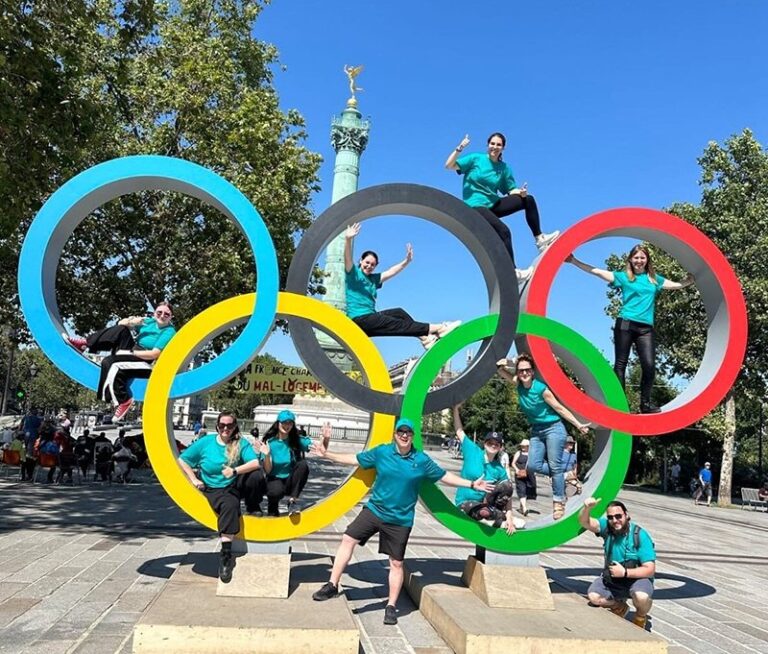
159	434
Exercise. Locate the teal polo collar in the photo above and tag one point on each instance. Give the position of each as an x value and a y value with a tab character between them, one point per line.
411	453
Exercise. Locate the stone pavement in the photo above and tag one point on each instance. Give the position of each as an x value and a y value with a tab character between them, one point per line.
78	565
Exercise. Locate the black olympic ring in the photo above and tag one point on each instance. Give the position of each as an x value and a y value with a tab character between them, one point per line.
460	220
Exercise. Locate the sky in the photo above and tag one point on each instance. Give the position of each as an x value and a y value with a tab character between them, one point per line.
604	105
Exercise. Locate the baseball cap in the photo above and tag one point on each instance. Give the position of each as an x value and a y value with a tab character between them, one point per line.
285	415
494	436
404	423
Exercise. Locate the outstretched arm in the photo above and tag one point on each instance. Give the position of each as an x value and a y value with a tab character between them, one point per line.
564	412
669	285
319	448
133	321
349	236
501	368
398	267
586	520
450	162
452	479
605	275
458	424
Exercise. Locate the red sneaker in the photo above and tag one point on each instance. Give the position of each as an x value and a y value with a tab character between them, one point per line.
77	342
122	409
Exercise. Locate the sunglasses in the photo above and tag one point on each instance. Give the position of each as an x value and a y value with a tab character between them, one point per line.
614	516
229	426
526	371
163	313
404	432
494	443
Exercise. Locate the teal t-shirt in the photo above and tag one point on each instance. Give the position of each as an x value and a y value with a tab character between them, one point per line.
638	298
152	336
361	292
475	465
282	456
484	179
621	547
398	477
533	405
210	457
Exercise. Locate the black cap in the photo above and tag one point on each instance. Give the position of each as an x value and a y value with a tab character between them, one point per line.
494	436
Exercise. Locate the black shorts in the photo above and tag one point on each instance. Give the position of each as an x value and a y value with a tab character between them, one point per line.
393	539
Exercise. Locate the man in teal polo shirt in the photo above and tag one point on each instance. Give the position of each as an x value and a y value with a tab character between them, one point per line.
400	469
630	562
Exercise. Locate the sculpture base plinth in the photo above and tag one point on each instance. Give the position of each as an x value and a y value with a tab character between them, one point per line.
189	617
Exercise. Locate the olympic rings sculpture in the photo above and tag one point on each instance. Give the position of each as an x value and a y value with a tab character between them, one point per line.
603	403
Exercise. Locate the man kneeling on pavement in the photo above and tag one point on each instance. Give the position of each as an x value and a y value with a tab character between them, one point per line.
630	562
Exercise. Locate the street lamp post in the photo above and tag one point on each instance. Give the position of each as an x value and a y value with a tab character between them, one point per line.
33	370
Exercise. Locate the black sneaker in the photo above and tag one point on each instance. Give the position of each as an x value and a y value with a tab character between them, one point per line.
390	615
649	408
294	508
257	512
329	591
226	565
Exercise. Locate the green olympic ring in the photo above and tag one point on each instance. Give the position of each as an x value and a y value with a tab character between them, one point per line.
524	541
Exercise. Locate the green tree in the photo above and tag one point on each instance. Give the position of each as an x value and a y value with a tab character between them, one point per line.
733	212
181	79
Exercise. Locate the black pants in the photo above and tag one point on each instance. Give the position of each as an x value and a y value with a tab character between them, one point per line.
391	322
625	333
27	468
505	206
225	503
255	485
120	366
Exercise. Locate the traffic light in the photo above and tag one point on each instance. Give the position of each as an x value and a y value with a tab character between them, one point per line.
20	394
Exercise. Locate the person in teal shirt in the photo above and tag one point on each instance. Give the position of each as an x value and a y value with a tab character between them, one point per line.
220	459
130	357
630	561
285	468
362	284
485	462
545	414
639	285
489	187
400	471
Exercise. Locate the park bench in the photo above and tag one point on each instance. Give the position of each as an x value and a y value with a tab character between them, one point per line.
749	498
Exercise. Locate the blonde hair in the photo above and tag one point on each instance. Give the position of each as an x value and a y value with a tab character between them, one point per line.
649	269
233	446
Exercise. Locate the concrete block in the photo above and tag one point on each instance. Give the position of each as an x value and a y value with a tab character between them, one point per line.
190	618
510	587
258	575
469	626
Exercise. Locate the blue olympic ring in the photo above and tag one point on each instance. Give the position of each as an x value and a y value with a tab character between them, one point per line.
66	208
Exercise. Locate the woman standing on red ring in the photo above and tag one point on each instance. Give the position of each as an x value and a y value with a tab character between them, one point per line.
221	458
130	357
639	285
485	177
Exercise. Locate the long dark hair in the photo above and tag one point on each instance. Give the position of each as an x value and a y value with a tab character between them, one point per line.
294	439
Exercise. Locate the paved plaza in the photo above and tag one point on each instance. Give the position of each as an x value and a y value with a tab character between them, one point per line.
78	565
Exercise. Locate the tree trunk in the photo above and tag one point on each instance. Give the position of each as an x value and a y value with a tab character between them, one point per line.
729	439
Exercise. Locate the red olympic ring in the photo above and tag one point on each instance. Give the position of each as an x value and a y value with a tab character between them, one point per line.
636	222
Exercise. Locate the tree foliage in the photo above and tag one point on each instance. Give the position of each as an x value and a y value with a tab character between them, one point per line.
733	212
116	78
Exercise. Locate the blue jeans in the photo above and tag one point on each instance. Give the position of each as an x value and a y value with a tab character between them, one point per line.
548	441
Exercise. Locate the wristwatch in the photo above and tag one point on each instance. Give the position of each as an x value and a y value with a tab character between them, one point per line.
234	471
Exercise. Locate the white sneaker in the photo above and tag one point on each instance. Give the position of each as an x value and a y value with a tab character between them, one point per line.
449	327
428	341
543	241
524	274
